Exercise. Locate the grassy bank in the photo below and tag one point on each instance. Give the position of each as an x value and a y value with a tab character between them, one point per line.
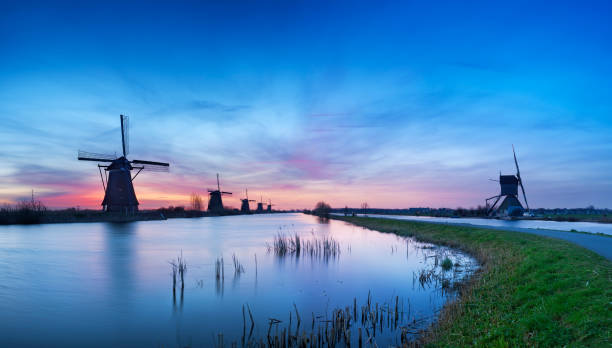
531	290
26	216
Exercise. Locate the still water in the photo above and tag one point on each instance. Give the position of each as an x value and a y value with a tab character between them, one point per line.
108	284
590	227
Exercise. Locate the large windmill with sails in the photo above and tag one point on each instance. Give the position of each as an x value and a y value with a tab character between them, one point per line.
510	205
116	174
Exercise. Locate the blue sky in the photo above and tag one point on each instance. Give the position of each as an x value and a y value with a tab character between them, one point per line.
395	103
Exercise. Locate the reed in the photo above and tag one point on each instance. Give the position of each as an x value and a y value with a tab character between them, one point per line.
179	267
447	264
238	268
376	321
219	269
325	247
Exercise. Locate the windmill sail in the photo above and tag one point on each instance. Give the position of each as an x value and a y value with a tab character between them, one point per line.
96	157
124	135
152	166
518	175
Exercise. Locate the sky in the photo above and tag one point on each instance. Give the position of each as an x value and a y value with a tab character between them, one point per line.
398	104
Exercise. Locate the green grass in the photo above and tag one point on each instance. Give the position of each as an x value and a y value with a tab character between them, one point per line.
447	264
530	291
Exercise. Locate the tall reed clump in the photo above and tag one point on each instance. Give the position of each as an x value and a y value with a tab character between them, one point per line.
179	267
25	212
352	325
219	269
447	264
238	269
325	246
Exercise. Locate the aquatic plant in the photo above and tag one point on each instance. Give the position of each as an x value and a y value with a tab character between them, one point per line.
447	264
325	246
238	269
219	269
354	324
179	267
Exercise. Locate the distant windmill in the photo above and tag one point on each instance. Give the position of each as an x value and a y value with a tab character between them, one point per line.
269	209
511	205
245	208
119	195
260	205
215	204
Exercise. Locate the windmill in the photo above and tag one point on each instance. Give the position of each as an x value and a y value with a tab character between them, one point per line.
260	205
215	204
511	205
245	208
117	180
269	208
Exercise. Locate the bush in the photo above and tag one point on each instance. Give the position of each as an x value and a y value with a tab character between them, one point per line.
322	209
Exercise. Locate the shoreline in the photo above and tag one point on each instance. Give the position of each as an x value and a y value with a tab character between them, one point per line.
531	290
93	216
602	220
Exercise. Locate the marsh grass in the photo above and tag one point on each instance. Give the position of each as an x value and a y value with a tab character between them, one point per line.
179	267
325	246
238	268
447	264
529	291
354	325
219	269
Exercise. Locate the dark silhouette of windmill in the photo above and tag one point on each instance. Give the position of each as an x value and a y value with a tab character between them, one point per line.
215	204
511	205
269	208
117	181
260	205
245	208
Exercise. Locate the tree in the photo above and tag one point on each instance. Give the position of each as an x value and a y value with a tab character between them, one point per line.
196	202
364	207
322	209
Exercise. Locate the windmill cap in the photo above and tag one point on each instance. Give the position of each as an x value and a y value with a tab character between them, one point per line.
508	179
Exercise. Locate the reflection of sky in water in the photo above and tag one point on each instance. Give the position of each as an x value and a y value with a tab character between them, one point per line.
591	227
110	284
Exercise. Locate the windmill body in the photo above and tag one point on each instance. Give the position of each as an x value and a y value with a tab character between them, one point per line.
117	180
119	194
215	202
259	206
269	208
245	207
509	195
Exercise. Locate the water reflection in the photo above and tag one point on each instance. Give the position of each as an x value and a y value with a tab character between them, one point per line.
120	260
123	279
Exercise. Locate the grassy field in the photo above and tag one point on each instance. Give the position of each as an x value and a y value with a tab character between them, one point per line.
531	290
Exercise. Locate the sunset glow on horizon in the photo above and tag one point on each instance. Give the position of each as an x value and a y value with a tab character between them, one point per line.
303	102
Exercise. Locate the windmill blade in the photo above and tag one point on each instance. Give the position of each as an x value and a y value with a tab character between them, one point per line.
151	166
152	163
518	172
524	196
95	157
518	175
226	193
154	168
125	140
